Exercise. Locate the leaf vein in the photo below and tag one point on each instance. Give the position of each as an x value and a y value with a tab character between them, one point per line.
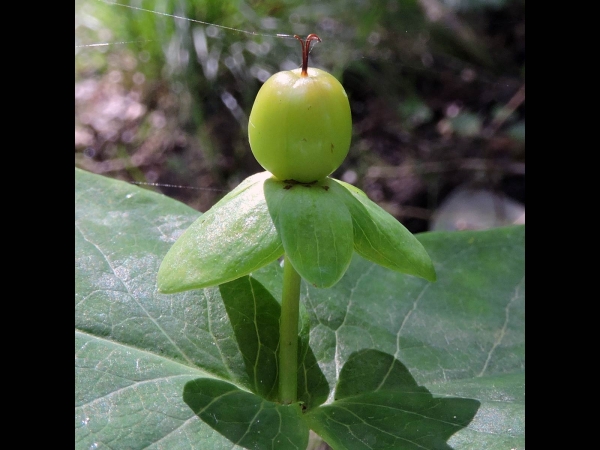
110	265
503	329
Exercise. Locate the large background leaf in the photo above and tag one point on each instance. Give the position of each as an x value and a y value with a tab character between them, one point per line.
462	336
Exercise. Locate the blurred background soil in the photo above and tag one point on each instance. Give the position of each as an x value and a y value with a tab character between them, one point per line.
436	87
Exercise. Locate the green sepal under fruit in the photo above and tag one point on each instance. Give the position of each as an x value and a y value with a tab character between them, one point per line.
233	238
380	238
315	229
317	225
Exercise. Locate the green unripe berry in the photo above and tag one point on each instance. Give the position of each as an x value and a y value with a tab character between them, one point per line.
300	124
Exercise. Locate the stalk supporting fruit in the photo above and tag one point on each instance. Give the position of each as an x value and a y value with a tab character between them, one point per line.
288	334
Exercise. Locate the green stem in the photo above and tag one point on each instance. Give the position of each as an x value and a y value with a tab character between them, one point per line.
288	334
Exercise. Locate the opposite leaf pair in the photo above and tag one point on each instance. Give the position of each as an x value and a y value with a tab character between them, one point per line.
318	226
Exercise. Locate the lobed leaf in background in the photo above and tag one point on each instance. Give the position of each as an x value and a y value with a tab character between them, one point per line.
140	355
378	404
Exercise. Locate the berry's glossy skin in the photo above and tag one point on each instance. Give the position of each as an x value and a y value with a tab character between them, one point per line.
300	125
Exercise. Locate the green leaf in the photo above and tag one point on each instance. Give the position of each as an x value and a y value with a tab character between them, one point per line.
380	238
313	388
315	229
500	420
244	418
254	317
136	349
233	238
384	408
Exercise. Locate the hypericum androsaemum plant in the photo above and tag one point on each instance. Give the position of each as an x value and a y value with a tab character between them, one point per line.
149	366
300	129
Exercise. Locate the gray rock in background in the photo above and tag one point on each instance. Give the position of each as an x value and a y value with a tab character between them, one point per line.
476	209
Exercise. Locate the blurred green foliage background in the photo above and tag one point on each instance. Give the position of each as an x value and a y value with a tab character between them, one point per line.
437	91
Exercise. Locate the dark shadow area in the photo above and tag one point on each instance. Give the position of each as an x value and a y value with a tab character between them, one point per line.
379	400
